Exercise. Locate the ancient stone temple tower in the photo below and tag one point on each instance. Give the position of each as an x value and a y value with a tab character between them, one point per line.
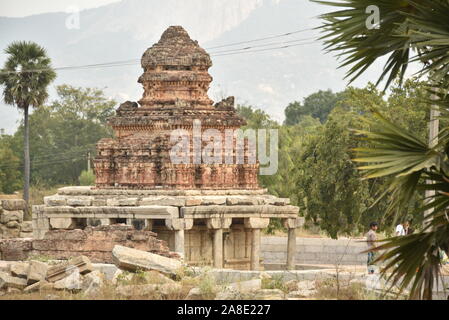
210	213
175	82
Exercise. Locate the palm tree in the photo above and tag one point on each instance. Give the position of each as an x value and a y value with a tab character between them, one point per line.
417	32
25	76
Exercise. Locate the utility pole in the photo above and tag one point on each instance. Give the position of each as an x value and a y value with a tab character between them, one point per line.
88	161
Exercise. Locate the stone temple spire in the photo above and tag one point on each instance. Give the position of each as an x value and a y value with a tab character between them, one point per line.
175	68
175	81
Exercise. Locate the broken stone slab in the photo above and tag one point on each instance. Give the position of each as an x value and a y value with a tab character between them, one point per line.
210	201
14	204
71	282
107	269
92	282
61	271
9	216
243	201
55	201
75	190
19	269
37	286
4	265
79	201
7	281
37	271
133	260
126	202
163	201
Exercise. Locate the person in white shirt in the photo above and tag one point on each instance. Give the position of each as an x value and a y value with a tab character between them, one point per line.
402	229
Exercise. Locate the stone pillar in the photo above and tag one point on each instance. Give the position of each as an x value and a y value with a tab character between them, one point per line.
256	224
218	224
291	249
179	242
218	248
178	225
148	224
255	249
291	225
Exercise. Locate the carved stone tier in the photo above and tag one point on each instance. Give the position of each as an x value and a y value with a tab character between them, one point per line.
175	81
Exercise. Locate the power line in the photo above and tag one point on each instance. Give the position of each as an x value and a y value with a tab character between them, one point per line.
268	49
135	61
261	39
33	164
263	45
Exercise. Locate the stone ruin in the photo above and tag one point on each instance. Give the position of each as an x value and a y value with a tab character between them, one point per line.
210	214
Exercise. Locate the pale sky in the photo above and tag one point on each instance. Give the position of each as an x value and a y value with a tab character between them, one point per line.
22	8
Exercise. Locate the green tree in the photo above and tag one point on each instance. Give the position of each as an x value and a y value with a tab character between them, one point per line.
409	31
25	76
65	131
317	105
255	118
10	177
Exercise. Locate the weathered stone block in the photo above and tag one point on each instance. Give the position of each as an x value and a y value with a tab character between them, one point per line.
27	226
55	201
128	202
79	201
8	216
13	225
19	269
14	204
61	271
71	282
132	259
99	202
163	201
37	271
7	281
243	201
35	286
190	201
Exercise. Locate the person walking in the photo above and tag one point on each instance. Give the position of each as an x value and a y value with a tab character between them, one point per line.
371	238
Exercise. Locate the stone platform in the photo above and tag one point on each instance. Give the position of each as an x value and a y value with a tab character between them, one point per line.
207	227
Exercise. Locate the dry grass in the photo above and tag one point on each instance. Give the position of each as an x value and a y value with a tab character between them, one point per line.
331	289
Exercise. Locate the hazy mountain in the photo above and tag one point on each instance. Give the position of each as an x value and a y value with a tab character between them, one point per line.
123	30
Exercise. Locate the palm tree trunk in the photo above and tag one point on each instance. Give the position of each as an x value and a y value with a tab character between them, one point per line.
26	154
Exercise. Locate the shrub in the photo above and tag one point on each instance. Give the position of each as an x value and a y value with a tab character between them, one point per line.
87	178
